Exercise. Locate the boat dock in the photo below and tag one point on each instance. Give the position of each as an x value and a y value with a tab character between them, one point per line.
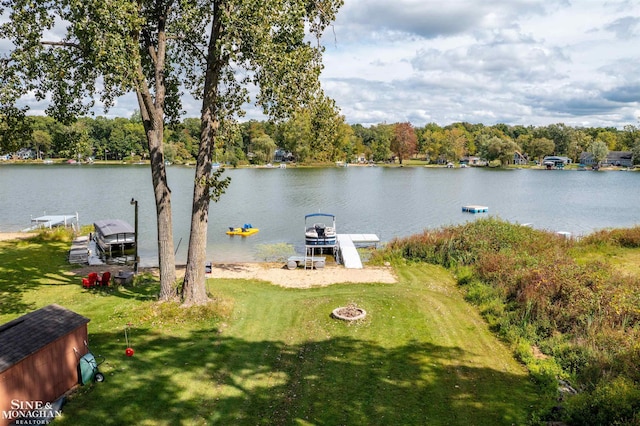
347	253
475	209
344	250
50	221
84	251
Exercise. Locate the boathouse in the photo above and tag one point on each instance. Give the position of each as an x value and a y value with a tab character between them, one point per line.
554	161
38	360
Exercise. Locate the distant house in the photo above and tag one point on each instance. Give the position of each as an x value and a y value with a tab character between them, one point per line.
614	158
520	159
619	159
38	363
281	155
586	159
473	161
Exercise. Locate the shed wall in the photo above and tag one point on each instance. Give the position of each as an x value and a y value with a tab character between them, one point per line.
45	375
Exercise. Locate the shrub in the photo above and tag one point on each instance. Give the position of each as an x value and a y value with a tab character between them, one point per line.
57	234
629	237
545	373
574	358
616	402
529	288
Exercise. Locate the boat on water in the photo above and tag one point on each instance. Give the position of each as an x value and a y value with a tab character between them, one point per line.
246	230
114	235
320	230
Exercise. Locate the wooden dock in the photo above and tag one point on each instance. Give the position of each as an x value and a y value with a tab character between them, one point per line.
475	209
79	252
84	251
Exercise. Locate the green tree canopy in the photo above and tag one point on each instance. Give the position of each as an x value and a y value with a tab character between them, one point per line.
599	151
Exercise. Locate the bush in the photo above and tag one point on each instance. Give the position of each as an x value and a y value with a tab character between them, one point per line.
57	234
574	358
616	402
529	288
629	238
545	373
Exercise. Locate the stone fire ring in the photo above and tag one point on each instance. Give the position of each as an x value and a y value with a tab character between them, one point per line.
346	313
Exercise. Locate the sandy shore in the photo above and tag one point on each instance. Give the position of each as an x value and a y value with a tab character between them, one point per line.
14	235
275	273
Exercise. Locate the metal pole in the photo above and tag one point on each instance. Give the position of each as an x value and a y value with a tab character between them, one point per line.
135	265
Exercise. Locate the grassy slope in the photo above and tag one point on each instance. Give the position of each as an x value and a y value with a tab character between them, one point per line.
422	355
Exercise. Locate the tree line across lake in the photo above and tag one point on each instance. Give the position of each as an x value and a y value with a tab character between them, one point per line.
318	137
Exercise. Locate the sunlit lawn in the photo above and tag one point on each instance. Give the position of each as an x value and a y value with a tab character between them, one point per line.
270	355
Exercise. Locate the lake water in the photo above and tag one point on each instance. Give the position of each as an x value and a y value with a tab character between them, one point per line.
387	201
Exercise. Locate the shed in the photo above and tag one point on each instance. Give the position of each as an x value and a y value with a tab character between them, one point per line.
38	363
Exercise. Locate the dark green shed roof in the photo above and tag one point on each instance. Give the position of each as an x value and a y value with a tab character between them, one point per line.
31	332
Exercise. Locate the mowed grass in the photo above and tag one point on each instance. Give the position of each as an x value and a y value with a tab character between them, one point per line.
263	354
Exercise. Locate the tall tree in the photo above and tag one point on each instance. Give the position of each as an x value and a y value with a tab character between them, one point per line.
496	148
268	44
101	49
263	147
404	142
13	126
598	149
296	134
539	147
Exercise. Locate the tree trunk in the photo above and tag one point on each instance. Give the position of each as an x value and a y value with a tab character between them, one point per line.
152	112
166	255
194	290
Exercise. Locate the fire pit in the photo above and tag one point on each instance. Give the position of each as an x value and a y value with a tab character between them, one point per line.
349	313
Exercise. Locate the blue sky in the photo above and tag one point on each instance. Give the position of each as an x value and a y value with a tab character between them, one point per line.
530	62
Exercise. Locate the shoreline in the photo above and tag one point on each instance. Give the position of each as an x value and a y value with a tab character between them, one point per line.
7	236
274	272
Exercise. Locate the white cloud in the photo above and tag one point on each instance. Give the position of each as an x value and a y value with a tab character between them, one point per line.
531	62
517	62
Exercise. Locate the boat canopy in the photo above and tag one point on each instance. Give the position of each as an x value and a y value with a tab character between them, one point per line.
320	214
113	227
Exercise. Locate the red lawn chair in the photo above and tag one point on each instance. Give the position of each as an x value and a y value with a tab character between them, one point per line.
104	280
90	281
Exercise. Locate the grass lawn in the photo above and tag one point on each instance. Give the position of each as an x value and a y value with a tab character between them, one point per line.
269	355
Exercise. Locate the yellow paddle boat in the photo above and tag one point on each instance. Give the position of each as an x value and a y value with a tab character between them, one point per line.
245	231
